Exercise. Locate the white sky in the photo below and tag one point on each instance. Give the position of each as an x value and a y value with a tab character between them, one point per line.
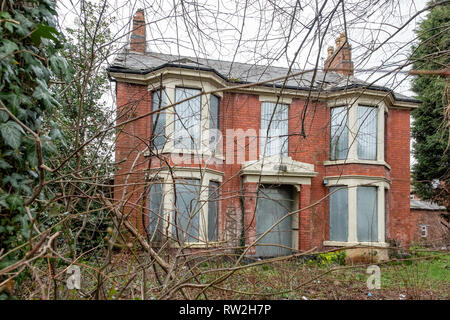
258	31
212	29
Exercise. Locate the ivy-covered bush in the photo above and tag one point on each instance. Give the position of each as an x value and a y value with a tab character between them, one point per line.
29	57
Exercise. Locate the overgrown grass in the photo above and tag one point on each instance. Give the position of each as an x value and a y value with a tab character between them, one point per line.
424	271
426	275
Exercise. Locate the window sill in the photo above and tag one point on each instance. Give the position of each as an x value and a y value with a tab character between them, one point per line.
356	244
197	245
356	161
186	152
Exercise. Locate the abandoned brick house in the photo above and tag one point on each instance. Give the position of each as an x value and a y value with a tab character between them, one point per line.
238	151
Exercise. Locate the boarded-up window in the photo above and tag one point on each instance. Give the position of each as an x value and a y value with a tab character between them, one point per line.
339	133
159	100
367	133
367	214
187	210
156	212
274	129
213	204
187	119
338	214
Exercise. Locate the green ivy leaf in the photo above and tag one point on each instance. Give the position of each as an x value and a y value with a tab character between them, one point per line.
7	47
3	116
42	93
60	66
4	164
43	31
11	133
14	201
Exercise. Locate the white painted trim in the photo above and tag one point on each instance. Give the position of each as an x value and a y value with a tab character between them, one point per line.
214	79
353	182
353	131
295	220
205	175
356	161
353	102
212	158
356	244
352	215
277	179
264	171
274	99
170	84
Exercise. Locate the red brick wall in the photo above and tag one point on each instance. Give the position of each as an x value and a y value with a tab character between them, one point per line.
238	111
437	227
310	145
398	156
132	100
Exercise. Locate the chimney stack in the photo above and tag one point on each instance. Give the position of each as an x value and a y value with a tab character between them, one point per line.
340	58
138	40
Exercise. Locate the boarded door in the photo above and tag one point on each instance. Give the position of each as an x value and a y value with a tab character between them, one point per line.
273	204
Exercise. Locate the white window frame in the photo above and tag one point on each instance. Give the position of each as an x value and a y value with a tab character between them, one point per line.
163	96
267	140
423	230
280	100
170	85
331	146
353	103
352	182
204	176
192	134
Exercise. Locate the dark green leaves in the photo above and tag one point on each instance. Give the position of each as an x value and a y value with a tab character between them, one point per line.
431	176
11	133
7	48
43	31
42	93
14	202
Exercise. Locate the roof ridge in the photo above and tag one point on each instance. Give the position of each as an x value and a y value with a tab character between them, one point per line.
218	60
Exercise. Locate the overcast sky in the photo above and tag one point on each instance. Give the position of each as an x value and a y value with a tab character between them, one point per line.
260	31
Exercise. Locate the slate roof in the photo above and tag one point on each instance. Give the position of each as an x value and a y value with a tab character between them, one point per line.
240	73
425	205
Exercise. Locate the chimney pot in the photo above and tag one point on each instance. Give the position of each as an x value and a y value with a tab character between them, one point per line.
339	58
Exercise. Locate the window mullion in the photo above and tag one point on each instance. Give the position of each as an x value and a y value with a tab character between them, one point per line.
381	213
352	214
352	132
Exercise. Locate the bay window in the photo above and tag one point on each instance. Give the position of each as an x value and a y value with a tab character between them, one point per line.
338	213
213	206
367	133
213	123
367	214
159	100
339	133
357	132
187	120
185	219
156	214
357	210
184	206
